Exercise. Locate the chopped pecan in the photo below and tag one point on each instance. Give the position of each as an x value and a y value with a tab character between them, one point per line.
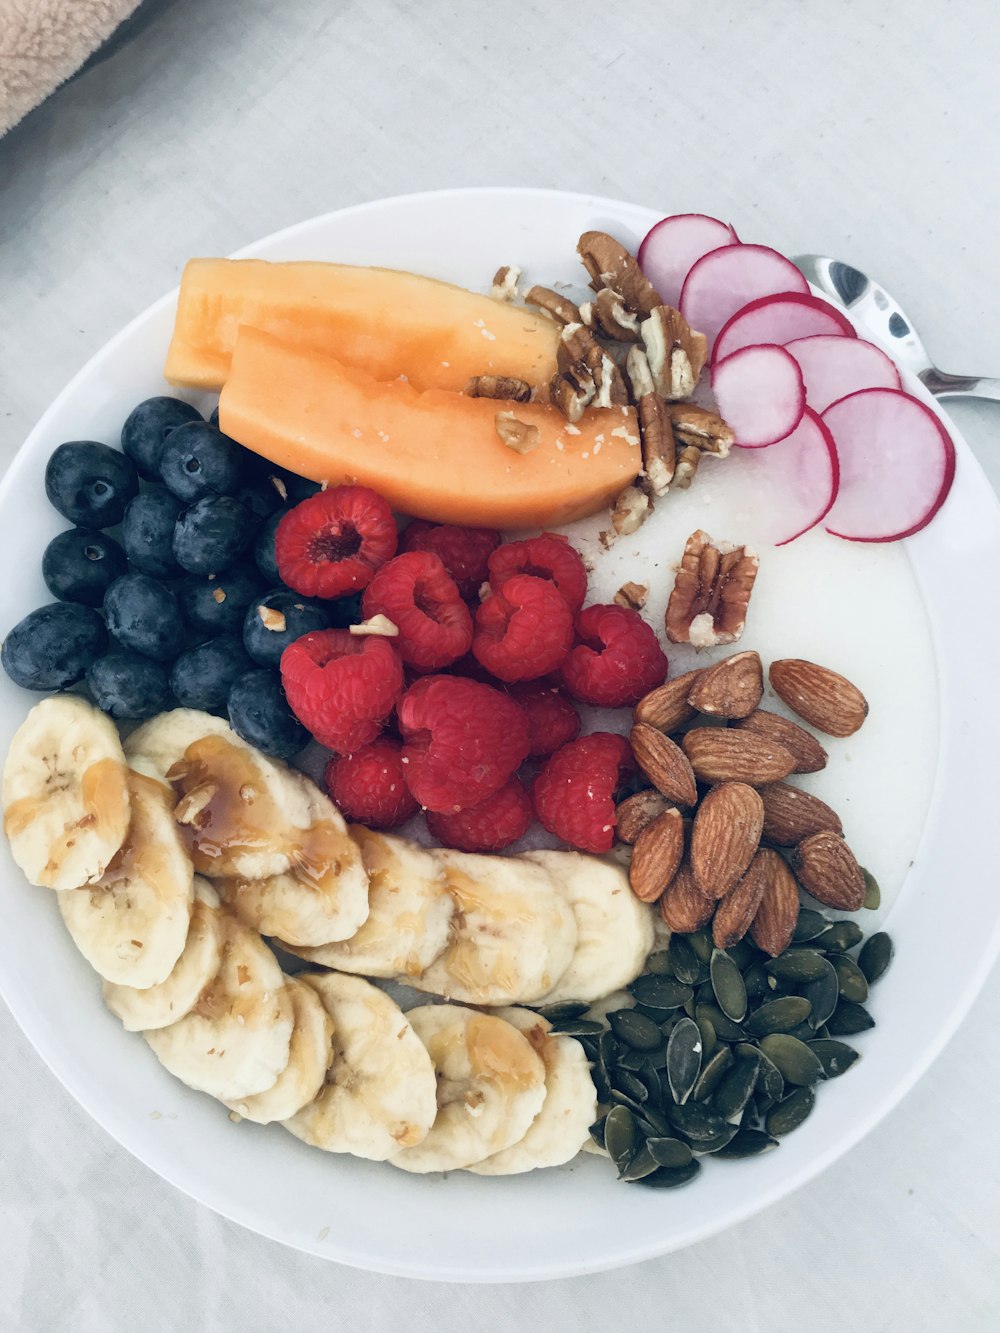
517	435
613	317
631	510
632	595
572	390
505	282
581	358
659	453
610	265
638	372
560	308
702	428
676	353
708	603
686	466
498	386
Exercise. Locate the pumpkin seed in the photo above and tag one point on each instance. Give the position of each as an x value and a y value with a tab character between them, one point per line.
873	894
709	1041
797	965
823	994
779	1015
790	1113
620	1136
769	1079
635	1030
558	1013
578	1027
653	1124
701	943
697	1122
651	1079
755	979
809	925
684	1050
684	962
762	1104
836	1057
748	1143
711	1074
848	1019
657	1015
805	1032
669	1152
794	1060
727	986
619	1098
850	979
661	992
743	953
641	1164
632	1061
821	1033
623	1080
840	937
725	1028
597	1131
734	1091
670	1178
659	963
875	956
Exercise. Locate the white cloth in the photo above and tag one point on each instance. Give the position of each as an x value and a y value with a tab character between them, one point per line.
856	129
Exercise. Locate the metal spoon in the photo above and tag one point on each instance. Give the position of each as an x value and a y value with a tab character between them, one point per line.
883	317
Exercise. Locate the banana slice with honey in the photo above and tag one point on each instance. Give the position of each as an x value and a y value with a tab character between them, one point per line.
512	937
132	925
65	796
236	1040
490	1087
380	1093
614	929
562	1126
310	1053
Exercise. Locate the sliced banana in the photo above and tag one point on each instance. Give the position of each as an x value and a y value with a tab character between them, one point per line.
409	912
131	926
562	1126
512	937
159	1006
65	798
615	930
309	1058
490	1087
236	1040
380	1092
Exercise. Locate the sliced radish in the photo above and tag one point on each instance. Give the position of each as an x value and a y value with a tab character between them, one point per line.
777	494
779	319
759	391
897	463
671	247
727	279
834	367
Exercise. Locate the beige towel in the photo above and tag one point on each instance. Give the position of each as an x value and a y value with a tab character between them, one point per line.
43	42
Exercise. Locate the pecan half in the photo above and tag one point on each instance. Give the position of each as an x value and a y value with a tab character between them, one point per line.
631	510
505	281
711	592
706	430
572	391
659	452
686	466
610	314
559	308
676	353
610	265
498	386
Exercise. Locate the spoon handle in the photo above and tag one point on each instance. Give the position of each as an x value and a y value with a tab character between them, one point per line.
943	385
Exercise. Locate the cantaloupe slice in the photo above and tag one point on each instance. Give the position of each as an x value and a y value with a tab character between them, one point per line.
436	454
384	321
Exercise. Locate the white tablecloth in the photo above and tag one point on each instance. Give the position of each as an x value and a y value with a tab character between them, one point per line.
863	130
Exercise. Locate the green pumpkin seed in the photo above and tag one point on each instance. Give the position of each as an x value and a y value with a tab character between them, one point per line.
669	1179
836	1057
755	979
779	1015
790	1113
794	1060
578	1027
821	1033
632	1061
762	1104
848	1019
651	1079
558	1013
809	925
850	979
597	1131
701	942
641	1164
659	963
636	1030
705	1131
711	1074
823	994
631	1084
725	1028
748	1143
709	1041
653	1124
619	1098
743	953
873	894
620	1136
669	1152
840	937
769	1079
734	1091
797	965
684	1051
727	986
684	962
661	992
875	956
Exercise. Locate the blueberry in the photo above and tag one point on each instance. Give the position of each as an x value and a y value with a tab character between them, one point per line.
263	548
197	460
259	496
292	617
143	615
298	488
259	713
148	532
213	420
53	646
217	604
202	677
90	483
212	534
80	565
129	686
344	611
147	427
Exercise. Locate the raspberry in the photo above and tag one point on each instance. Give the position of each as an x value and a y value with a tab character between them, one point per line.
464	552
552	719
332	543
368	786
524	631
549	556
487	827
574	794
461	741
420	598
341	686
617	660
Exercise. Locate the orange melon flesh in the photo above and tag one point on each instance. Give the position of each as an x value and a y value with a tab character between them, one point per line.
433	454
383	321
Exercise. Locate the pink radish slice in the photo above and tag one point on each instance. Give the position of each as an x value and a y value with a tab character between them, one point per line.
834	367
779	319
760	393
771	496
897	463
674	244
725	280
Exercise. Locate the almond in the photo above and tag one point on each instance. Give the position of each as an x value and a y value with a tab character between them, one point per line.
827	701
635	812
683	906
717	754
774	922
736	912
809	755
731	688
724	837
664	763
656	855
666	708
826	868
791	814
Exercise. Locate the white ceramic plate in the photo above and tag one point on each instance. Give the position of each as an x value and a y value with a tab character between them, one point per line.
908	621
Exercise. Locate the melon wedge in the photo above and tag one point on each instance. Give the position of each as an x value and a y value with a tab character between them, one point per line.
433	454
381	320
